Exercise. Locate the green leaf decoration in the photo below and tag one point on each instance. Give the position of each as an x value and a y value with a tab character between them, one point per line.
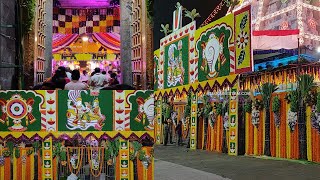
28	14
293	98
241	57
276	104
243	22
318	103
17	152
192	14
248	107
266	91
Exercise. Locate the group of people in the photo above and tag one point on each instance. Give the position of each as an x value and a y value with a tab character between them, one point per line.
65	79
168	132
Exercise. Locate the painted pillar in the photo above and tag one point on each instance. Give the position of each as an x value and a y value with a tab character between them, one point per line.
124	160
233	122
159	120
47	173
193	129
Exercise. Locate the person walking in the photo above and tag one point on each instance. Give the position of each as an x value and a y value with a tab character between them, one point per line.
170	126
179	133
75	84
113	79
166	131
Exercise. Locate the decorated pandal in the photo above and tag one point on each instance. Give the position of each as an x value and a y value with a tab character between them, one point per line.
76	134
215	93
87	51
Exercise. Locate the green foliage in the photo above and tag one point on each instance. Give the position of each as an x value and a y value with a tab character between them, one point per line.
187	110
56	149
318	103
305	84
311	98
112	149
192	14
207	107
218	107
266	91
248	107
166	110
29	151
136	148
165	29
257	104
276	104
17	152
293	99
142	155
29	11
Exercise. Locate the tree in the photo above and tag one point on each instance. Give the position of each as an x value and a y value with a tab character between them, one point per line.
192	14
266	91
305	83
165	29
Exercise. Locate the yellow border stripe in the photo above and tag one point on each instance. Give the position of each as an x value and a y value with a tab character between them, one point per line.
288	136
309	135
32	166
15	168
277	142
247	132
23	166
255	140
1	170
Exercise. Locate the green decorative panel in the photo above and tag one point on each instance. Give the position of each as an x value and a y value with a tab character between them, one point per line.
176	63
20	111
142	110
156	70
85	110
215	49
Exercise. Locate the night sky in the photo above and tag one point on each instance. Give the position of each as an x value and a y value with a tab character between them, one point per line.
163	12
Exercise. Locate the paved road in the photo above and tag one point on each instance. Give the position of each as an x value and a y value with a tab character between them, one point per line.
179	163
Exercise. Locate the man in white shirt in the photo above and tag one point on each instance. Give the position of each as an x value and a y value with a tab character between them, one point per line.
75	84
68	72
98	80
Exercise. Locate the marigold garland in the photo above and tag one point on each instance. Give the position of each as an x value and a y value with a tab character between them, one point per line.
79	161
101	161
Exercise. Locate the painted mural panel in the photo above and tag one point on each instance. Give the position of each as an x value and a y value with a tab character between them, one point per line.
85	110
243	53
176	51
215	48
141	115
176	64
21	110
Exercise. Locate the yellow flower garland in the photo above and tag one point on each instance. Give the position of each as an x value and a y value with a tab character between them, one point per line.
90	159
79	160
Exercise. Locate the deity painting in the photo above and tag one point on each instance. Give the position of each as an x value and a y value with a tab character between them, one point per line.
83	115
175	68
176	65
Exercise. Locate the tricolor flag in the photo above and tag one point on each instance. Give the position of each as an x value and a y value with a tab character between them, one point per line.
275	39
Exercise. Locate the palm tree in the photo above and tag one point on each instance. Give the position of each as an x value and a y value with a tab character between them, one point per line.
266	91
305	83
192	14
165	29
